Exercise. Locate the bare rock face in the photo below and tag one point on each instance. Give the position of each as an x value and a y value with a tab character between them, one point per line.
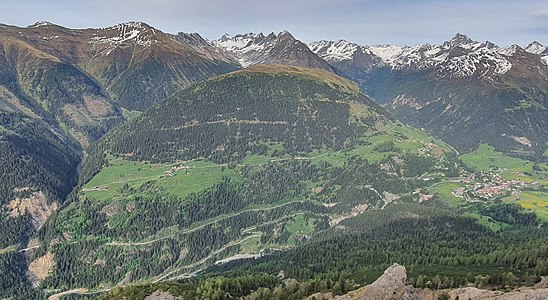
36	205
159	295
40	268
528	294
390	286
392	280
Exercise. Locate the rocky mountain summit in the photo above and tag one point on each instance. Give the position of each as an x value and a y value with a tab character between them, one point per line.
459	57
460	86
539	49
282	48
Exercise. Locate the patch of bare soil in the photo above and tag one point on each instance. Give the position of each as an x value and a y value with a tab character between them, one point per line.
39	269
98	107
36	205
111	209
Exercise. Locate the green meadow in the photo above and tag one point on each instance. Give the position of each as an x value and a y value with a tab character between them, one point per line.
487	222
486	158
299	226
535	201
120	173
444	192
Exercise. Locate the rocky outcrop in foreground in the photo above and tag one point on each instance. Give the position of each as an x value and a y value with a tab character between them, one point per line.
391	286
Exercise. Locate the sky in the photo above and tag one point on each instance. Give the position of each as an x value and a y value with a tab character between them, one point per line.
366	22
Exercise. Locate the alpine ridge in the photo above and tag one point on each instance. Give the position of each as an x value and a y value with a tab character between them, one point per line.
457	87
137	64
282	48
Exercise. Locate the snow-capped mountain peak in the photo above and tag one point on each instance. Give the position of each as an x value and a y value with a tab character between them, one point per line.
509	50
41	24
459	57
343	54
333	51
131	24
388	53
282	48
458	40
134	33
536	48
244	44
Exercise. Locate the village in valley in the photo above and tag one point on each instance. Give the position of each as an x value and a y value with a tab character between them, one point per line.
485	185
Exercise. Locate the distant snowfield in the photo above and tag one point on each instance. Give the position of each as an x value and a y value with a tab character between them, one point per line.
459	57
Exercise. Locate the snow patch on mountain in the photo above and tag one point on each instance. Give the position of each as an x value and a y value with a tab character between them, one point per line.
246	47
112	37
41	24
536	48
388	53
458	57
335	51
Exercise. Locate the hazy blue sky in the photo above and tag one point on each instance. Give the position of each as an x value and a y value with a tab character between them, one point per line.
366	22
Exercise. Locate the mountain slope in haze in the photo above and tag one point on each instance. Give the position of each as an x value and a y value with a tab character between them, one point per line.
142	65
251	49
235	166
463	91
70	83
50	111
136	64
46	86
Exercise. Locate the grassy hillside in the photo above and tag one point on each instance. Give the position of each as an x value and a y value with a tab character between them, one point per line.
240	164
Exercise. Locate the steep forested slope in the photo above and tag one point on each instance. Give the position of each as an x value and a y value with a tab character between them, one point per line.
240	164
60	91
440	250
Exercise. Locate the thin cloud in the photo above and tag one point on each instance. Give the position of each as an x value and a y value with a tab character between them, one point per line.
540	13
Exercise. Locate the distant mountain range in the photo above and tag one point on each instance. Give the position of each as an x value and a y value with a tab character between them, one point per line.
77	84
463	91
251	49
265	119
